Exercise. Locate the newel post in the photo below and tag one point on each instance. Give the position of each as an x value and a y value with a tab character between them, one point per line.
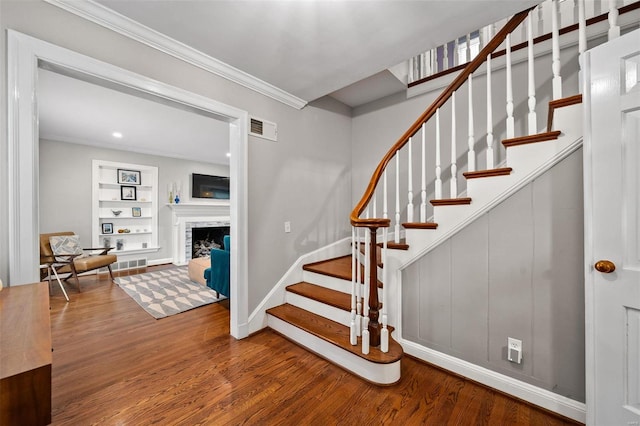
374	305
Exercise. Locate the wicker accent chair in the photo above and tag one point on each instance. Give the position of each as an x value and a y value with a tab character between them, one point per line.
73	262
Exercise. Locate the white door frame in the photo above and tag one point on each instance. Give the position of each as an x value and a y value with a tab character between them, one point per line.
24	53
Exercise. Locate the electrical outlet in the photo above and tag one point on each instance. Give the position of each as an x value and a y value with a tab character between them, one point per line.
514	350
287	227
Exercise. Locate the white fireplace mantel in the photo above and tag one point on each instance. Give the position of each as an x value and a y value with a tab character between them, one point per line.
184	213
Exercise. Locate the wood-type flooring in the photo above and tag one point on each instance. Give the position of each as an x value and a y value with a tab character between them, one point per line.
113	364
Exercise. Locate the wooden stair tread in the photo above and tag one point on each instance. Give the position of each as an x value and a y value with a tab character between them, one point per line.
325	295
488	173
339	267
402	245
420	225
540	137
559	103
451	201
334	333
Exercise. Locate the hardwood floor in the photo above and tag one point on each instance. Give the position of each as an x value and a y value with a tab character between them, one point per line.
115	364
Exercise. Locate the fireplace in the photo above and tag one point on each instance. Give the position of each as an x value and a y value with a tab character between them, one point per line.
205	238
194	230
185	217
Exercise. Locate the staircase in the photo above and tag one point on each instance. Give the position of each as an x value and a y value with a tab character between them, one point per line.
317	315
341	309
317	311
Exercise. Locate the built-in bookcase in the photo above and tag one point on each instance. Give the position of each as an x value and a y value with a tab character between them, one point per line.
125	207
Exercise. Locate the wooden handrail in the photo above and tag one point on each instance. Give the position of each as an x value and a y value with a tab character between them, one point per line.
426	115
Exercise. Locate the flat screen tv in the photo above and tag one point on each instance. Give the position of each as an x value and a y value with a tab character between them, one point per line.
207	186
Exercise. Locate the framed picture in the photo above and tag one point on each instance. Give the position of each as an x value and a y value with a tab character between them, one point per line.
129	177
107	228
136	211
128	192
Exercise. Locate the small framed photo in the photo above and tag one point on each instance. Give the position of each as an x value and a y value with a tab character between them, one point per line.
129	177
136	211
107	228
128	193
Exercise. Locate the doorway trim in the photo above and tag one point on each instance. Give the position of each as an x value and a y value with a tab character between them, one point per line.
23	56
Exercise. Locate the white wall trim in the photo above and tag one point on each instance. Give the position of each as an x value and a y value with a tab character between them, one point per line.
23	54
530	393
258	318
101	15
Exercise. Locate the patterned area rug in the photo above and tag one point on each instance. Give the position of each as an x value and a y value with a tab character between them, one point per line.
167	292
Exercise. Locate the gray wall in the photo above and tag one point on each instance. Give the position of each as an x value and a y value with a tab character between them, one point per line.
517	271
303	178
65	192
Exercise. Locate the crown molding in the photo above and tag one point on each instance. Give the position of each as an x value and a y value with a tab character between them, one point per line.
101	15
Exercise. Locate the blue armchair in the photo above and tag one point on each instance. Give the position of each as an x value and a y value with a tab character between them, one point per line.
217	275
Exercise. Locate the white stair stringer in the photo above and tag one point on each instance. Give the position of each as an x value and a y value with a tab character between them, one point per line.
382	374
322	309
528	162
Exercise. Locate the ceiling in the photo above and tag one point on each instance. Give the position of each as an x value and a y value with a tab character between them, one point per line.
313	48
308	48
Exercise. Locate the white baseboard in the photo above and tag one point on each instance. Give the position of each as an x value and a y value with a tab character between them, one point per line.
541	397
258	318
155	262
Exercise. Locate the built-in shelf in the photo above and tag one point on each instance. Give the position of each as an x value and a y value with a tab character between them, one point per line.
107	194
126	217
118	234
125	201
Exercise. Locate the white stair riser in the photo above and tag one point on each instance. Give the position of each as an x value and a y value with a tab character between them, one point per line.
382	374
326	311
528	162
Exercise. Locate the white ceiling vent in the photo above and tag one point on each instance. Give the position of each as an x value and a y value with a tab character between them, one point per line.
263	129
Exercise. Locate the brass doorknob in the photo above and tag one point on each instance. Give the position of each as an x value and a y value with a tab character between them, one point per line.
605	266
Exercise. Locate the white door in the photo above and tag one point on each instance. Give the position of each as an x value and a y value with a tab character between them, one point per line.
612	231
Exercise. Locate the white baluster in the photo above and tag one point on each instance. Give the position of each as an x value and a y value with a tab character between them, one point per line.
358	286
385	209
540	10
582	28
555	51
456	53
471	154
397	224
384	333
411	77
365	313
532	83
582	39
489	117
353	334
445	57
410	184
374	204
614	29
454	155
438	189
423	186
510	122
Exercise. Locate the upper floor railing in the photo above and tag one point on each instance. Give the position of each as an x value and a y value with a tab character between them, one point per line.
455	54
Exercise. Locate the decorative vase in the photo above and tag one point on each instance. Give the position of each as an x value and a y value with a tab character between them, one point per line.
177	200
170	197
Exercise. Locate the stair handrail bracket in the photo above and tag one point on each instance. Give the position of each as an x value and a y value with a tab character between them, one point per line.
462	77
